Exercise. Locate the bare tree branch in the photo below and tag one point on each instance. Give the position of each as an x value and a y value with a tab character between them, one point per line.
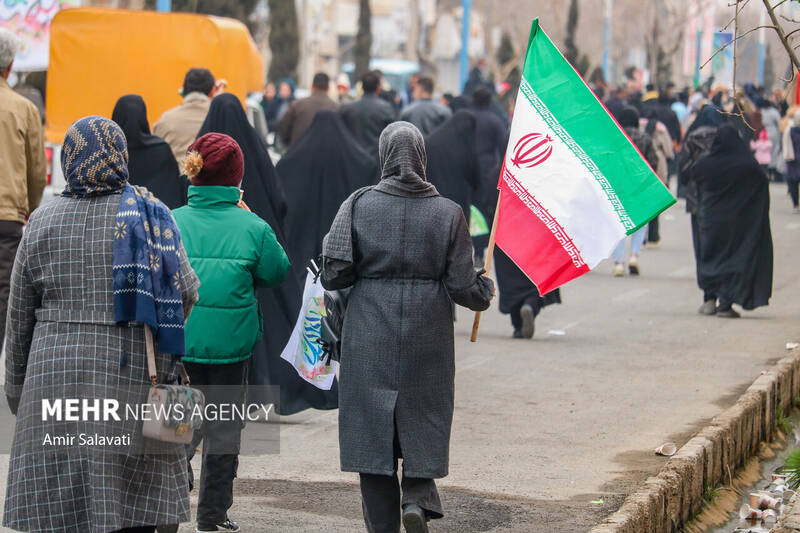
734	18
733	41
781	34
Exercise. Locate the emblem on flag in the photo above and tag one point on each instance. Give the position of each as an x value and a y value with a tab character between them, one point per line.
531	150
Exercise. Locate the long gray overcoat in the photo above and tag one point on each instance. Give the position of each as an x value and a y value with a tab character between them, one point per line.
411	256
61	338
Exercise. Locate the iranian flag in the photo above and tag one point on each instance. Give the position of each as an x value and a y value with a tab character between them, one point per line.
572	184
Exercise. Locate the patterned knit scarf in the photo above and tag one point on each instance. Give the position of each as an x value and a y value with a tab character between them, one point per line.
146	263
147	268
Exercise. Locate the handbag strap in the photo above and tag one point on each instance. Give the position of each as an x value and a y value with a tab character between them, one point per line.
151	360
151	356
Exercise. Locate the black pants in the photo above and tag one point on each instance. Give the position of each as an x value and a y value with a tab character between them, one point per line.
138	529
382	497
653	234
10	235
221	439
794	191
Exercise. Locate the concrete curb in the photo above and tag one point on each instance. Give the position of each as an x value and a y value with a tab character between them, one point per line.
667	501
790	519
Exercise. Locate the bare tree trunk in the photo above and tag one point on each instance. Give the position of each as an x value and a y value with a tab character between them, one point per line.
363	39
413	31
491	56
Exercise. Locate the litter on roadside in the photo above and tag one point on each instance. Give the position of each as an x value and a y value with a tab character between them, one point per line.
759	500
668	449
558	332
792	345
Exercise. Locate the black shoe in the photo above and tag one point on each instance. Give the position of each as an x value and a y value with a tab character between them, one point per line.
526	312
517	334
414	520
728	313
228	525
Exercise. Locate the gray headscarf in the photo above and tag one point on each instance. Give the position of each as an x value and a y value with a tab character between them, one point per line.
402	153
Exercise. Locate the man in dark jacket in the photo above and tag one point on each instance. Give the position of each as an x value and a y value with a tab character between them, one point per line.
490	135
367	117
301	112
424	113
661	106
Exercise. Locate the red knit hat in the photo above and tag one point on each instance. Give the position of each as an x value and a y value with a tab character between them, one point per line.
214	159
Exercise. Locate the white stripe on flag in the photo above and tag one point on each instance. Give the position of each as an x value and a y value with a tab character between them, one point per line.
563	185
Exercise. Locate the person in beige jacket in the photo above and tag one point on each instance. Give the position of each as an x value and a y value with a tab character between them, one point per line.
179	126
23	166
662	142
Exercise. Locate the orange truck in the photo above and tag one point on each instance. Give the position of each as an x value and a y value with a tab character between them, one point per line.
98	55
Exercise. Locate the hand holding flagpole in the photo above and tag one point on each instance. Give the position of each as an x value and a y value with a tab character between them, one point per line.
487	265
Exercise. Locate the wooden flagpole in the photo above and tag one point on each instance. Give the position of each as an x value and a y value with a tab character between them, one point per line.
487	265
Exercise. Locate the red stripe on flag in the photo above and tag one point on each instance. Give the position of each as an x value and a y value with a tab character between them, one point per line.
534	240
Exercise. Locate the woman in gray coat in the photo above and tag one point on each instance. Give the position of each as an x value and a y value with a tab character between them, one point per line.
69	338
406	252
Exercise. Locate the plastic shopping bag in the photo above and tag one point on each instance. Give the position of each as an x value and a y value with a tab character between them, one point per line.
304	350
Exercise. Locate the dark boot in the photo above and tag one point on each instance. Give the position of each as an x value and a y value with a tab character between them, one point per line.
414	520
528	324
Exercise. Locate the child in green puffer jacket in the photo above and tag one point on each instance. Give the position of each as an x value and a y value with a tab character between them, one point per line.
233	252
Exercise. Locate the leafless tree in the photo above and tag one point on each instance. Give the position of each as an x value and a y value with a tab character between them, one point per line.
664	38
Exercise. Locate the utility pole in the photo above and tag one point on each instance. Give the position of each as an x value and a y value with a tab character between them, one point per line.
464	63
607	42
761	47
698	51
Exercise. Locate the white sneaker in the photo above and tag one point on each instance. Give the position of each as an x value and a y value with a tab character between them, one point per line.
619	270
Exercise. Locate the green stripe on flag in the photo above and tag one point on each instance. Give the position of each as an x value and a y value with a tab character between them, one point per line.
578	111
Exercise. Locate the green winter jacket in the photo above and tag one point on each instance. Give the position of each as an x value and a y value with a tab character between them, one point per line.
232	251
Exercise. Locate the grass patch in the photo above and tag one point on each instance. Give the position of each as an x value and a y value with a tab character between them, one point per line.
783	422
792	469
710	494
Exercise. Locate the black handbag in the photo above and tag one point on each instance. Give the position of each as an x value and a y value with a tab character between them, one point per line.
331	331
330	337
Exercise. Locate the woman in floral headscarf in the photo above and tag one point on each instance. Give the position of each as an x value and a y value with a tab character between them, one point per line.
94	269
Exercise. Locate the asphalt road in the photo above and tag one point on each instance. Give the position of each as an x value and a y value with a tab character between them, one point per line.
551	434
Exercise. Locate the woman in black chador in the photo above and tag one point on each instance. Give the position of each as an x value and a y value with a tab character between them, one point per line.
280	306
453	166
519	297
318	173
734	263
150	160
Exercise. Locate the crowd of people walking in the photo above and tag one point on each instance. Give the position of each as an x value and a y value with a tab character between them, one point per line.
194	219
724	149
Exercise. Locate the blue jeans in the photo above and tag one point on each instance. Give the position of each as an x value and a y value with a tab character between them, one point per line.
637	240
